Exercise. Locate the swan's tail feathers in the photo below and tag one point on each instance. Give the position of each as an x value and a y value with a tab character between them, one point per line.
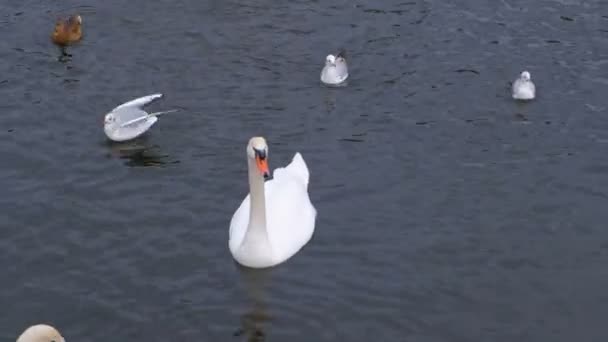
163	112
298	168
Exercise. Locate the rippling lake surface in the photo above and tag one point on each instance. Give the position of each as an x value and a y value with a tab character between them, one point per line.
446	211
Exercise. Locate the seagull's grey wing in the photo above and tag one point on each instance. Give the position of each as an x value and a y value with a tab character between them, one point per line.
139	102
135	121
127	114
134	129
341	68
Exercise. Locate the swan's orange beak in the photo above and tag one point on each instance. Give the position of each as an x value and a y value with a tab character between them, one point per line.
262	164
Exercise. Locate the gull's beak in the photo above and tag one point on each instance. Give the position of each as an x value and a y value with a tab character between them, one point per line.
262	163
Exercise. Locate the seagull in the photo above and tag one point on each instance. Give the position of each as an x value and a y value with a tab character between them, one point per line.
129	120
335	70
523	87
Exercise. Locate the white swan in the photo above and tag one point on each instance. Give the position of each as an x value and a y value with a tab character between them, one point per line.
523	87
40	333
335	70
277	218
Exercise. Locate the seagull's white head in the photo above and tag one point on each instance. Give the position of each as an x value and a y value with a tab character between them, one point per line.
330	60
109	119
525	76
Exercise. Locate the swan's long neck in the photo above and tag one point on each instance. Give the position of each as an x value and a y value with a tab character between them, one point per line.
257	213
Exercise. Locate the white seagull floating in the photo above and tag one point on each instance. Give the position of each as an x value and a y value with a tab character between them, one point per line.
129	120
335	70
276	219
523	87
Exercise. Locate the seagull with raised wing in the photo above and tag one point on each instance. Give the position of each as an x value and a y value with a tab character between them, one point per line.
335	70
129	120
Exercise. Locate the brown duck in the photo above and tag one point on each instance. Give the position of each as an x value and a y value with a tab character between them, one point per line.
67	31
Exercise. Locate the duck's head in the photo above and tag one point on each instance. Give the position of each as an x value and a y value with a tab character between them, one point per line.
40	333
525	76
257	151
330	60
74	20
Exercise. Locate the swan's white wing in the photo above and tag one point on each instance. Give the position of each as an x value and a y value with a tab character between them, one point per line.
290	215
297	168
139	102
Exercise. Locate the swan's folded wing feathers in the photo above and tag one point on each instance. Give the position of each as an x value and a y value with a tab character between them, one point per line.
290	215
298	168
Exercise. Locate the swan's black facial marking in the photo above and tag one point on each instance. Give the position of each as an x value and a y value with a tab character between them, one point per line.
260	153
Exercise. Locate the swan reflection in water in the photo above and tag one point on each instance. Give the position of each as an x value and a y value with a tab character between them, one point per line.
139	153
256	281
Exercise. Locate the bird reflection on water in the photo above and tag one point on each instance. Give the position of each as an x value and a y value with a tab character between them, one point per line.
256	281
139	153
330	101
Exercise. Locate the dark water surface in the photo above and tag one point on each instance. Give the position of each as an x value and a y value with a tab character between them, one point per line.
446	211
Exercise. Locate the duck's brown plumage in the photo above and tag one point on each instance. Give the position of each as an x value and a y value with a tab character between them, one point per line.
67	31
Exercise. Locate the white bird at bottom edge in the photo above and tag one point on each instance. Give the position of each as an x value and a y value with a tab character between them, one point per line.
40	333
